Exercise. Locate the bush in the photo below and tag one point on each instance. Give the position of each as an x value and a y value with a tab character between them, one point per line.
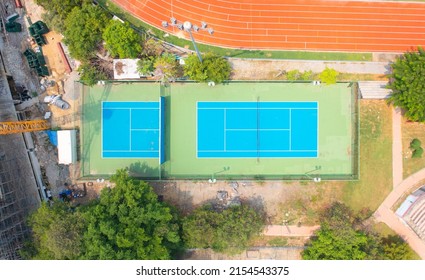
145	66
293	75
306	76
213	68
328	76
90	75
417	153
416	143
228	231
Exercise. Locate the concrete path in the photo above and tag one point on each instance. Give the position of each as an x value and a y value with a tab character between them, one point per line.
397	148
279	230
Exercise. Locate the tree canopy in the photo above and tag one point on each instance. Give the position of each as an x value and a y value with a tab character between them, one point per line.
57	232
167	68
57	11
83	33
128	222
90	75
407	82
342	237
121	40
227	231
213	68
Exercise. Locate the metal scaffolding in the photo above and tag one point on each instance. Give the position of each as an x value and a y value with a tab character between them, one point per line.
18	189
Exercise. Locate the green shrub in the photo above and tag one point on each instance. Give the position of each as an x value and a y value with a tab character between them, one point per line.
417	153
328	76
293	75
416	143
306	76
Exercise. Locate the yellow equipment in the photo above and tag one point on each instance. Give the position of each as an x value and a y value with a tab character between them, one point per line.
23	126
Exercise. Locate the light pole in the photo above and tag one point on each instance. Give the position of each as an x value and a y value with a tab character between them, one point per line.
188	27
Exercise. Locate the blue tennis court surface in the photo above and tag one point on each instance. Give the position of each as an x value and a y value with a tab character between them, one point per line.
132	129
257	129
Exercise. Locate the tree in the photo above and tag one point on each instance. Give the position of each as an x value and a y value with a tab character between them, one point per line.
121	40
227	231
407	82
83	33
152	48
57	232
395	248
213	68
415	143
341	244
128	222
145	66
167	68
329	76
343	237
57	11
90	74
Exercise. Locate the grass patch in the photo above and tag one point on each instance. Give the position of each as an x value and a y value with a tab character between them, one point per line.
278	242
307	201
259	54
385	231
411	130
375	157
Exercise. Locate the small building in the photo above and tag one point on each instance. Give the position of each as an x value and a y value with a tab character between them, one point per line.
67	146
125	69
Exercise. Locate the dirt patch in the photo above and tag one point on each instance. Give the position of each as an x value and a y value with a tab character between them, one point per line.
118	68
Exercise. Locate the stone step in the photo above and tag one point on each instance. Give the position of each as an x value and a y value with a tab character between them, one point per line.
417	207
374	90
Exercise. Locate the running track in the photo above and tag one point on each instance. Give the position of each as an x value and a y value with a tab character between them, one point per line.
293	24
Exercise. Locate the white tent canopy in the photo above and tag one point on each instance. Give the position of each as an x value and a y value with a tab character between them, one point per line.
67	146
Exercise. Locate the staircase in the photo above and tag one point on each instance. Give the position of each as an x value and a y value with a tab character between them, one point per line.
416	217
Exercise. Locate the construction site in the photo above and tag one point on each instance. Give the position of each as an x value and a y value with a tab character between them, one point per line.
32	81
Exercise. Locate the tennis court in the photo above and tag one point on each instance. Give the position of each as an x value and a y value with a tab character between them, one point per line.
131	129
257	129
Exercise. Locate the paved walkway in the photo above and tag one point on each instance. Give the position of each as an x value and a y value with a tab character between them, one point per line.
278	230
397	148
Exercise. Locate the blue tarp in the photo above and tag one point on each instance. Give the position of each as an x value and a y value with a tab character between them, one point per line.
53	136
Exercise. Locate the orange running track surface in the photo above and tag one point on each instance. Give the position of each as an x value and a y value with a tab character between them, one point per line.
358	26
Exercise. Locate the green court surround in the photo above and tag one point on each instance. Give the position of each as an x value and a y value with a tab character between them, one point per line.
337	131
